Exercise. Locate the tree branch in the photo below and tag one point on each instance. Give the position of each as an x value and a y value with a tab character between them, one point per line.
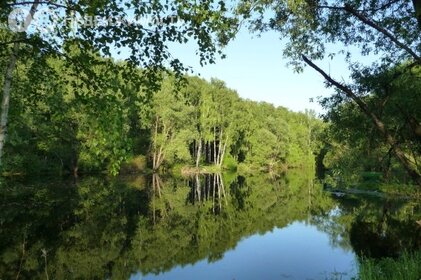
12	42
367	21
374	25
40	3
379	125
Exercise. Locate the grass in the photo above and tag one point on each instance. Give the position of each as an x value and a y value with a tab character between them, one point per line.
190	170
405	267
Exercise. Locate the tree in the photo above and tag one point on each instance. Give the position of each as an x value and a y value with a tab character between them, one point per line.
397	105
171	126
373	27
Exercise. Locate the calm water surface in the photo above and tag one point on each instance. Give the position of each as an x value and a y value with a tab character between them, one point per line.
204	227
299	251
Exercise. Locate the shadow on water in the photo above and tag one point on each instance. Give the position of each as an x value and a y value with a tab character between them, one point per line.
117	228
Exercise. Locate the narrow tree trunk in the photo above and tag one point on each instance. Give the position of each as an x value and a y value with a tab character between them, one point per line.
199	151
6	96
214	145
160	158
223	152
218	155
379	125
154	154
8	81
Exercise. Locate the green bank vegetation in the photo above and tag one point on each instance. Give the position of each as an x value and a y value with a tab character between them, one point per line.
406	266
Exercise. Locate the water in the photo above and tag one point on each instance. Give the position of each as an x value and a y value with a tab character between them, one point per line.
298	251
205	227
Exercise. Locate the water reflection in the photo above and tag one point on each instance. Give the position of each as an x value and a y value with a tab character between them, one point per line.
207	187
169	227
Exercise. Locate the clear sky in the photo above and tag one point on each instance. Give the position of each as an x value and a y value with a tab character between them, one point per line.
255	68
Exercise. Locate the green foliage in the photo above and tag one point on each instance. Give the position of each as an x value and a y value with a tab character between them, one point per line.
406	266
376	105
357	151
58	128
55	129
208	123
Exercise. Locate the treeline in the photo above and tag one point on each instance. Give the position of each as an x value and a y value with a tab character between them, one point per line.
69	124
206	123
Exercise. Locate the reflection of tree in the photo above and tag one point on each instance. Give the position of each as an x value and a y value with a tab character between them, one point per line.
102	229
156	192
385	232
79	232
110	229
192	231
374	227
208	187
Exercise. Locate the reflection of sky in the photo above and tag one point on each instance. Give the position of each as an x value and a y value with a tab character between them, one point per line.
298	251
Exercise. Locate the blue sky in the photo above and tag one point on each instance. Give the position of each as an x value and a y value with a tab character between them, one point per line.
255	68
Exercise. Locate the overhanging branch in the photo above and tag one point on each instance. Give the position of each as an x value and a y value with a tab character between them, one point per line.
379	125
386	33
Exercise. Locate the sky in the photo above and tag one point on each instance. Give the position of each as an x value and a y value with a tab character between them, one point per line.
255	68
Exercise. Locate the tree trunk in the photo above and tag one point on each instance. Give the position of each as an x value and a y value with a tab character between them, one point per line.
199	151
6	96
221	159
214	145
8	81
379	125
154	152
218	155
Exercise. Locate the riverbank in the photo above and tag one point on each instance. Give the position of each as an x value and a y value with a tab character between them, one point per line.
383	190
407	266
191	170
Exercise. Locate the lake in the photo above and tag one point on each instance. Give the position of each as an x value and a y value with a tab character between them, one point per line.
211	226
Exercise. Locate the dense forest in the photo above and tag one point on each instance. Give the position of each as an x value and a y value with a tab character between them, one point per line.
356	150
193	124
190	122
